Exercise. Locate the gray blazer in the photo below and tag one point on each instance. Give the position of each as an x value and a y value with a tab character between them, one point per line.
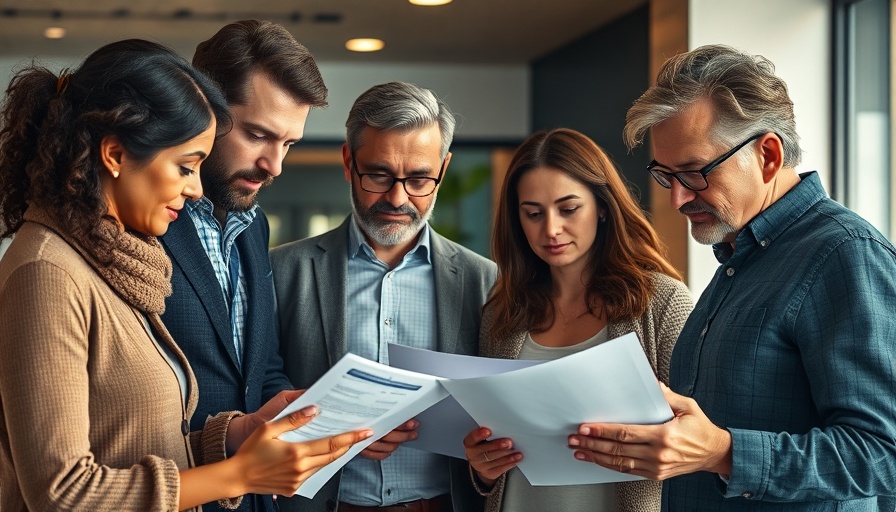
310	285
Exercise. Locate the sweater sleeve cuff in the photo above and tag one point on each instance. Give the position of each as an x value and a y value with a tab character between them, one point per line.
167	479
480	486
213	447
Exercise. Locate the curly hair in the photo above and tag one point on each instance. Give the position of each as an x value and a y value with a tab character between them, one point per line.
625	252
51	128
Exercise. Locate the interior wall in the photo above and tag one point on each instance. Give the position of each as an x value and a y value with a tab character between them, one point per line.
491	102
796	36
589	85
668	36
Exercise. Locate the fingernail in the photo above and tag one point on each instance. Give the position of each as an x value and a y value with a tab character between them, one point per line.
505	444
580	455
366	434
585	431
573	441
309	411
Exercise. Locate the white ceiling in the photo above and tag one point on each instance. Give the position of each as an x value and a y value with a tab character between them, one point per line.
464	31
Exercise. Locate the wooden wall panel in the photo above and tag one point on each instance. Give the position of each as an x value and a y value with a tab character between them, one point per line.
668	37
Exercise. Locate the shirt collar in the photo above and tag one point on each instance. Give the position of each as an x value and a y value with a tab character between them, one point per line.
357	244
774	220
203	206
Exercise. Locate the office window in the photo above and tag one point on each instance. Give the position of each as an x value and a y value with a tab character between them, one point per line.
863	174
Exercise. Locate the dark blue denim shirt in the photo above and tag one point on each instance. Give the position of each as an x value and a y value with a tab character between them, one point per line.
790	348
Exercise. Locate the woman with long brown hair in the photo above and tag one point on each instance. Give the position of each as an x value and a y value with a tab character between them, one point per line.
578	264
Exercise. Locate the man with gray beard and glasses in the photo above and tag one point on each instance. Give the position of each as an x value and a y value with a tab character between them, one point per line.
783	379
385	276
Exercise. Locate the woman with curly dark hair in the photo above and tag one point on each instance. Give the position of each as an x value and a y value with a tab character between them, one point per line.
95	396
578	264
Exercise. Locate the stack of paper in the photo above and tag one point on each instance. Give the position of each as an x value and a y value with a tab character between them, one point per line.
537	404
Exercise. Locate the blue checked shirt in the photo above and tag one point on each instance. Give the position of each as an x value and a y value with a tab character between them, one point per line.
218	245
391	306
791	348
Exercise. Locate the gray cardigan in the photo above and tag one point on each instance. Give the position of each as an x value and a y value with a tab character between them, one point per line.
657	329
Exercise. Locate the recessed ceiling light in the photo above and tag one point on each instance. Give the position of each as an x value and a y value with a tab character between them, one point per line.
430	2
365	45
54	33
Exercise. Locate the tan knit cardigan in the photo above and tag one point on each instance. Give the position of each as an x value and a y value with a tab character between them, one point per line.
92	414
657	329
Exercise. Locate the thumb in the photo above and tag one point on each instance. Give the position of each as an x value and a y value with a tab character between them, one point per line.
677	402
293	420
289	396
276	404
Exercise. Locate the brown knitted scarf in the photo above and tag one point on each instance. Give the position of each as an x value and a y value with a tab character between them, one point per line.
139	271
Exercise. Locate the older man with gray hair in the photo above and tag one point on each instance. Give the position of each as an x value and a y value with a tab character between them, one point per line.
384	276
783	380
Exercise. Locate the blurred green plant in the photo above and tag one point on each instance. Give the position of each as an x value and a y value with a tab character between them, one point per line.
454	188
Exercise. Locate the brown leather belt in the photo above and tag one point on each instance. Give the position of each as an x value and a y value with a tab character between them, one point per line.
438	504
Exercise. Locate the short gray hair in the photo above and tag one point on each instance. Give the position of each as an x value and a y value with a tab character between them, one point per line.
398	106
747	95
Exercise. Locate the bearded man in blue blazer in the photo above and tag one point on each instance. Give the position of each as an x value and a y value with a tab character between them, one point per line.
385	276
221	311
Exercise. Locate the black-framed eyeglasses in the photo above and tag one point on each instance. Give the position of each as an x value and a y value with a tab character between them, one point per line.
694	180
414	186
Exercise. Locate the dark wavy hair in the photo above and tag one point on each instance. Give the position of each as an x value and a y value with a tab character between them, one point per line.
624	254
51	128
241	48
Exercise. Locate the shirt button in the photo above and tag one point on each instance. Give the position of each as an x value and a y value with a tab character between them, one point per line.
389	275
388	321
730	271
763	243
703	332
388	492
747	495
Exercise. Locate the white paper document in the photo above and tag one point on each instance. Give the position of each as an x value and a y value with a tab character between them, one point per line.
354	394
540	406
444	425
537	404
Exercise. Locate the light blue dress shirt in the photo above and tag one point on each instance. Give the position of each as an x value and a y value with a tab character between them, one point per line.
791	348
218	246
391	306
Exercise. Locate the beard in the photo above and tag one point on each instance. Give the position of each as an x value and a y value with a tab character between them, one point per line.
221	187
390	233
708	233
